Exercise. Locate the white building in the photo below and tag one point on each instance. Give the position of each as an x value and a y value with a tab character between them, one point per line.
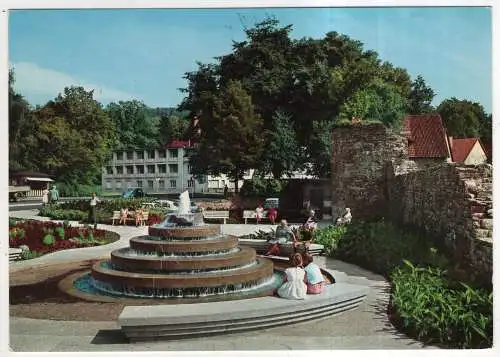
162	171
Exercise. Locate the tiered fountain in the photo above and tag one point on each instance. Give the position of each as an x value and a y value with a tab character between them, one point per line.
182	257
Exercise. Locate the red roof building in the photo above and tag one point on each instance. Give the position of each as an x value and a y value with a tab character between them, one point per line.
179	144
427	138
468	151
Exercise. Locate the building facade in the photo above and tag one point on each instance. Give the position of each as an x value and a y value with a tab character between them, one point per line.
163	171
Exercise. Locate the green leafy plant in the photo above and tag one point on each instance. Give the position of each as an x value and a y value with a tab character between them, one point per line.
28	254
430	308
59	232
329	237
48	239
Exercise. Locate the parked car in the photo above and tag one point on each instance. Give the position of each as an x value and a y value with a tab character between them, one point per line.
134	193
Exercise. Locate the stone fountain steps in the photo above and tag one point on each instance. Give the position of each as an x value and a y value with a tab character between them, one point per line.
141	323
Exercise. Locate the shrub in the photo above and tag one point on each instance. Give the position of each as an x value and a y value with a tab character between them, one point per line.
431	308
258	186
28	254
59	231
48	239
329	237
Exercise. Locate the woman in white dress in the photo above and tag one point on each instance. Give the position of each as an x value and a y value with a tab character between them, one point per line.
294	286
259	213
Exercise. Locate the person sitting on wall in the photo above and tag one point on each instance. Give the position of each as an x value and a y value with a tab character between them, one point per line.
123	215
314	278
345	218
283	235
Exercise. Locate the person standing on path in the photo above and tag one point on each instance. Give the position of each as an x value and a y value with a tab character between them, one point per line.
92	209
45	196
54	195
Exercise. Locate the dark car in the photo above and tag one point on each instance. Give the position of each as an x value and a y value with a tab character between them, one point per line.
134	193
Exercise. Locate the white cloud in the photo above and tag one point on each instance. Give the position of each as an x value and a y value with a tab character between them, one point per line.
34	81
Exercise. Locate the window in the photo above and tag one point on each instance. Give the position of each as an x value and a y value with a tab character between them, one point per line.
151	154
161	154
173	183
140	155
173	168
140	169
119	170
190	183
109	170
150	184
130	170
118	184
119	155
162	168
108	185
161	184
173	153
130	155
139	183
190	168
151	169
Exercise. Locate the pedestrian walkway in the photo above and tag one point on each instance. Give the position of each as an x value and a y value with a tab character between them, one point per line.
364	328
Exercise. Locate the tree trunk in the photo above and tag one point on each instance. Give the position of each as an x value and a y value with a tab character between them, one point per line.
236	184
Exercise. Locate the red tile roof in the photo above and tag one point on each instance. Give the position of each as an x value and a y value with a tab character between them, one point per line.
426	135
178	144
461	148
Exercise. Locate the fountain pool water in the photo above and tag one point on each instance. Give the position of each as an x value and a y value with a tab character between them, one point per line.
181	258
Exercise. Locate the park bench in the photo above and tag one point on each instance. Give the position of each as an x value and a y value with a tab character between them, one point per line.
224	215
130	217
247	214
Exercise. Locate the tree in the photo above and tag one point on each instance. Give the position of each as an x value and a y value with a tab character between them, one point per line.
464	119
282	154
321	149
73	136
18	126
379	102
229	143
421	97
309	79
135	127
172	127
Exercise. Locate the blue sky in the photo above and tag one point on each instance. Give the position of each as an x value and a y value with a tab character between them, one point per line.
143	54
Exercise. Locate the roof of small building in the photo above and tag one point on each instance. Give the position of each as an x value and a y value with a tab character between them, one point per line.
178	144
426	136
461	148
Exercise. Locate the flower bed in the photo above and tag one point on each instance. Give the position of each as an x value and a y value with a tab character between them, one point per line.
429	299
46	237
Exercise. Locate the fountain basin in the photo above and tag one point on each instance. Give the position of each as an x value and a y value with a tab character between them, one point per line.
119	279
186	232
123	260
142	244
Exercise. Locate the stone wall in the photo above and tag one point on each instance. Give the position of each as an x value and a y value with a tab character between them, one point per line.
359	159
449	202
371	174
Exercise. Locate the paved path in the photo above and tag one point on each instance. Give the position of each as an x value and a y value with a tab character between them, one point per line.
364	328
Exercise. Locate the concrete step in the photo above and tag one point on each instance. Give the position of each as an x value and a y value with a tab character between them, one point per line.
173	321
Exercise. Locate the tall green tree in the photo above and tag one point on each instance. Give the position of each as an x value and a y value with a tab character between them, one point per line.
19	127
229	144
136	128
421	97
464	118
73	136
283	153
378	102
321	149
309	79
173	127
